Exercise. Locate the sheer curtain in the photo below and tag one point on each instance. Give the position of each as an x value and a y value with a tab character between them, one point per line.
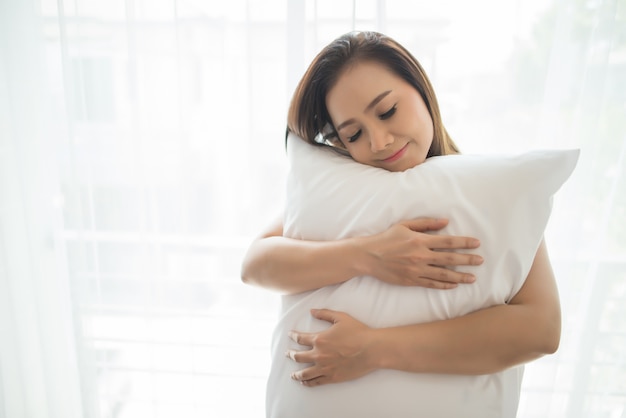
141	148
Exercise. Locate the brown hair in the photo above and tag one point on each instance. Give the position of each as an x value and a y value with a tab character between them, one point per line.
308	116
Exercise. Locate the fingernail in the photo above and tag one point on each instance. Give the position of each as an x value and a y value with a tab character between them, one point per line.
477	260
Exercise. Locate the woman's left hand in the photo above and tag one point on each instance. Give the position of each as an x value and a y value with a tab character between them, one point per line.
337	354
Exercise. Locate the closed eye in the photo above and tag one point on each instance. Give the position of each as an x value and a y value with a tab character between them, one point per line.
388	113
383	116
355	136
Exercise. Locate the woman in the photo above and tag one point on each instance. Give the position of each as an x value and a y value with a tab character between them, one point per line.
367	96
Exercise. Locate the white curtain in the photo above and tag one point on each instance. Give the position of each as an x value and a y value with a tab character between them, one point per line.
141	148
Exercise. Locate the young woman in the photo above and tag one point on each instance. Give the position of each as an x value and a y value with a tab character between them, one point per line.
367	96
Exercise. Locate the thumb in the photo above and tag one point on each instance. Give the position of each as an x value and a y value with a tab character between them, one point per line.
425	224
326	315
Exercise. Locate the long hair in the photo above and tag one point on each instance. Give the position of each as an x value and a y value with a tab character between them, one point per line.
308	116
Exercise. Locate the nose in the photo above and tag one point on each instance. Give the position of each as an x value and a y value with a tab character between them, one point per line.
380	139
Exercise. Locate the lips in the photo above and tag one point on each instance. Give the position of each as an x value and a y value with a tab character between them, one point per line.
397	155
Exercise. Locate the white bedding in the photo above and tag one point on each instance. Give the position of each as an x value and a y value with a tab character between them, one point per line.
505	201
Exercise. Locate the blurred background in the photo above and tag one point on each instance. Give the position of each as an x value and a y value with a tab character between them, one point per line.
142	148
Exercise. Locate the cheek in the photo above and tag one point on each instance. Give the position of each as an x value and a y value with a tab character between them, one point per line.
356	155
358	151
427	124
420	118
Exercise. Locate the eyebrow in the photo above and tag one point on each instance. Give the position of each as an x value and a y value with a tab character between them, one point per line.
373	103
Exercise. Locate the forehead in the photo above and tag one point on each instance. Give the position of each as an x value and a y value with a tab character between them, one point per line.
370	72
360	83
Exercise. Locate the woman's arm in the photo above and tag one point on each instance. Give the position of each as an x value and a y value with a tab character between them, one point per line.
291	266
404	255
485	341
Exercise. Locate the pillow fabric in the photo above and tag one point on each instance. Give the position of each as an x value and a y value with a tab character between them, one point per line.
503	200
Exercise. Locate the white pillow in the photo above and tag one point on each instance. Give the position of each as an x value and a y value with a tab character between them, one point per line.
504	201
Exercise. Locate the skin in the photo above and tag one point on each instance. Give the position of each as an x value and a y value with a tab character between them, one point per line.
381	120
405	255
485	341
482	342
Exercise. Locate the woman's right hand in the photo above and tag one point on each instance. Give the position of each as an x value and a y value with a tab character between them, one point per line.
406	255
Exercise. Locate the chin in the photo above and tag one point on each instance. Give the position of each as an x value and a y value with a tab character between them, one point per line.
410	163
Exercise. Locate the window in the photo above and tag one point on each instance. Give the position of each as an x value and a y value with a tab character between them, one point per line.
142	149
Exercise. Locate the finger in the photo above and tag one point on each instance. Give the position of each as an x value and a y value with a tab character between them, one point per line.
300	356
442	274
322	380
448	242
433	284
326	315
425	224
303	375
302	338
448	258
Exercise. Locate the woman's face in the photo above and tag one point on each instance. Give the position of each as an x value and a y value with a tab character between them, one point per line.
381	119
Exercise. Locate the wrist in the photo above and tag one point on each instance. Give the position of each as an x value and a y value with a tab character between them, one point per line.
375	351
364	264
